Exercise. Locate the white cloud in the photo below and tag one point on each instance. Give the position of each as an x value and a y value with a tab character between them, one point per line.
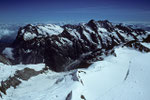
8	53
5	32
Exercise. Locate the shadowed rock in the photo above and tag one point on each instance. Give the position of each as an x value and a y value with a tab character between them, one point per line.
69	96
74	46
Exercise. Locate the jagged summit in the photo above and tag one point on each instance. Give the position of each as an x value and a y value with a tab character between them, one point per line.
30	32
68	47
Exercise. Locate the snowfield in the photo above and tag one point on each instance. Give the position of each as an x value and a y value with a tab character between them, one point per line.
8	70
124	77
29	36
47	30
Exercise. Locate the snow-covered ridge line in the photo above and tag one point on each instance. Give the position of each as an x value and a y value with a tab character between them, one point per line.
30	31
61	46
103	80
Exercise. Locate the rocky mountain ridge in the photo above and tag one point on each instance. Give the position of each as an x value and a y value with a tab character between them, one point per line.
69	47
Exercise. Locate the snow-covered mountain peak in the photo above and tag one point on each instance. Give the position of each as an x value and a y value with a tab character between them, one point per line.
69	47
50	29
97	60
30	31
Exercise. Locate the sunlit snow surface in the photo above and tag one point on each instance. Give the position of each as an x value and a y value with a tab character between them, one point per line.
8	70
46	30
125	77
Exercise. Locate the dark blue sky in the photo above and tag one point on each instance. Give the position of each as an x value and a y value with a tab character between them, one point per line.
20	11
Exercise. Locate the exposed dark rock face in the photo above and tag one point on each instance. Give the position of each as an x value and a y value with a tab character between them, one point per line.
14	81
4	60
147	39
3	46
82	97
137	46
79	46
73	46
69	96
28	51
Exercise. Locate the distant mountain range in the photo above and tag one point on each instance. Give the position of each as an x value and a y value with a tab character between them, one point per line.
70	46
87	61
8	32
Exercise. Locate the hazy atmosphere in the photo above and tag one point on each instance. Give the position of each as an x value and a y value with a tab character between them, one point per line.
20	11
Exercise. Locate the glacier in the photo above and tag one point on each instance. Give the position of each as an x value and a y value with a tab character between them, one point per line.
124	77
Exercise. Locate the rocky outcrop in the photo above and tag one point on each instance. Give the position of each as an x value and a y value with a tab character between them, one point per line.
69	96
79	46
4	60
137	46
147	39
68	47
14	81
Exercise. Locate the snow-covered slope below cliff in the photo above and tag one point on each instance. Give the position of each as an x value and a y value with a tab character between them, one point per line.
124	77
9	70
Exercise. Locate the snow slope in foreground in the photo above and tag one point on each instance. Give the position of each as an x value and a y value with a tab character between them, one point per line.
8	70
125	77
